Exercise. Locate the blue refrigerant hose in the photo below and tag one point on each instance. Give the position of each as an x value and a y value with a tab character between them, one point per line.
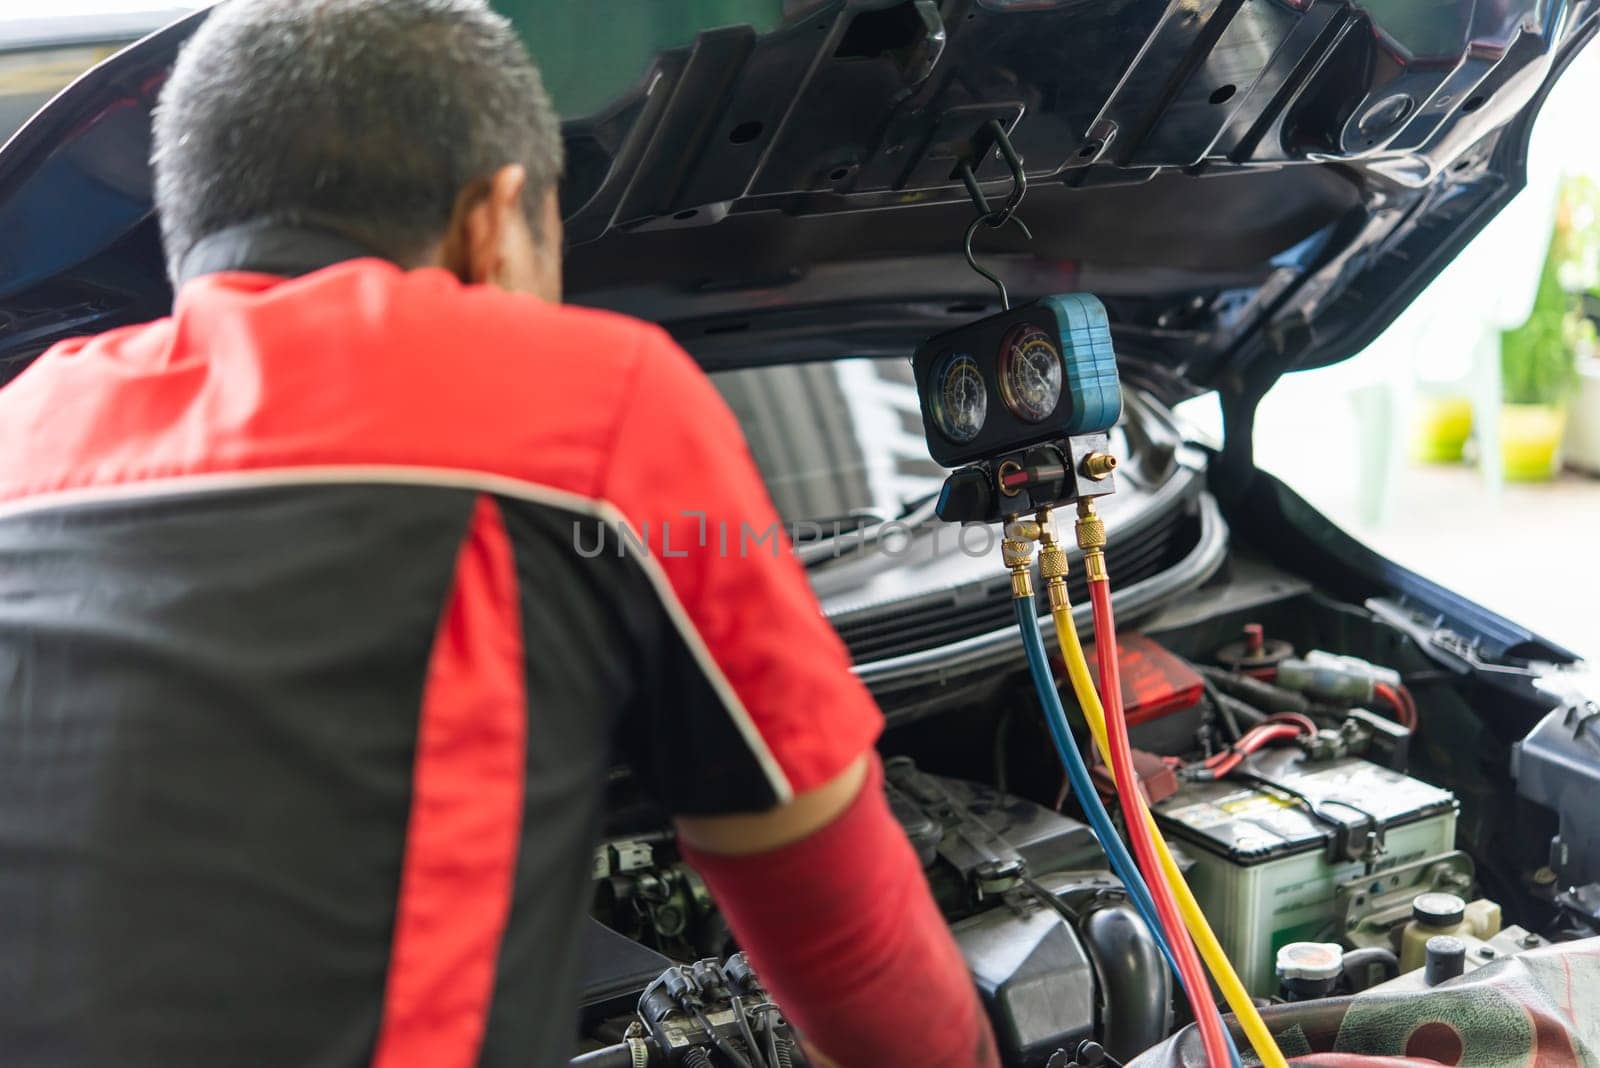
1078	772
1055	718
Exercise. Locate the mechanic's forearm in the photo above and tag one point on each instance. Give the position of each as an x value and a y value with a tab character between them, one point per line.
842	929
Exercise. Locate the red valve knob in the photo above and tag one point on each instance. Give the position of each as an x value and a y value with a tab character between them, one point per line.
1255	637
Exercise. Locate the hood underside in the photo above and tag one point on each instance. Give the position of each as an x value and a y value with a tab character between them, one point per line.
1252	186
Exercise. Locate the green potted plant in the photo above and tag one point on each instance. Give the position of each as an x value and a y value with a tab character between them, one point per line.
1441	426
1536	370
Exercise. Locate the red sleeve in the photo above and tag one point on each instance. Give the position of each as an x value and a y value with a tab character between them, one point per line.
682	478
844	932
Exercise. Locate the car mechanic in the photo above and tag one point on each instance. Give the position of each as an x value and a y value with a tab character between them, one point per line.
307	699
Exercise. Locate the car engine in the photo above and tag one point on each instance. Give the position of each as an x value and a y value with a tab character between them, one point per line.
1047	932
1312	768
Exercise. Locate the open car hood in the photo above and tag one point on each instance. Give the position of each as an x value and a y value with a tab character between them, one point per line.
1252	186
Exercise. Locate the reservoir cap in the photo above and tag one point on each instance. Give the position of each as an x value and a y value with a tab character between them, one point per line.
1447	958
1438	910
1317	961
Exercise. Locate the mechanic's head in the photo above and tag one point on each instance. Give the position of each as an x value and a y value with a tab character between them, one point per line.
418	128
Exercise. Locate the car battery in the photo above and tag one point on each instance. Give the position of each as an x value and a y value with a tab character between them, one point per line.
1273	843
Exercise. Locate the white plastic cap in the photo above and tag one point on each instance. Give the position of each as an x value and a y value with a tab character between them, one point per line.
1316	961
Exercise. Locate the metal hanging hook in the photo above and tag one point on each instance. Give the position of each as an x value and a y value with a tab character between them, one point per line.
972	261
990	217
1019	177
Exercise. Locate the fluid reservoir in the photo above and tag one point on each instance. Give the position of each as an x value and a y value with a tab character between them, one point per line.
1432	914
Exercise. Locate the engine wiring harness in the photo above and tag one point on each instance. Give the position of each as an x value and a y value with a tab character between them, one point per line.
691	1008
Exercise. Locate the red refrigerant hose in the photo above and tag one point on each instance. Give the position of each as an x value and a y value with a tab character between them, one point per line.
1207	1018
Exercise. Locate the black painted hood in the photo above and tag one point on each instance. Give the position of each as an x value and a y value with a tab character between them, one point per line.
1252	186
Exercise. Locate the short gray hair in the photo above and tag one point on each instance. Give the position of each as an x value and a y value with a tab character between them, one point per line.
367	117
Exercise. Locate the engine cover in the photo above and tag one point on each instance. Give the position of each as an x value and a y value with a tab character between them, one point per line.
1035	976
1055	949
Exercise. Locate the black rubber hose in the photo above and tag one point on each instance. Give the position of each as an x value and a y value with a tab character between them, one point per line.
618	1056
1263	695
724	1047
770	1029
1138	993
743	1021
695	1057
1358	965
1233	711
785	1051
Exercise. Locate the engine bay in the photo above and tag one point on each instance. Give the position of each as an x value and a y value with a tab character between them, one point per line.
1339	803
1311	797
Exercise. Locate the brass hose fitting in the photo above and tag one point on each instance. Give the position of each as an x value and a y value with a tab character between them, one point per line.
1091	532
1097	465
1025	530
1019	555
1046	526
1052	562
1017	551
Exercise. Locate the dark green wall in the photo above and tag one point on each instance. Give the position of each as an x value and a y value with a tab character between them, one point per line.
592	50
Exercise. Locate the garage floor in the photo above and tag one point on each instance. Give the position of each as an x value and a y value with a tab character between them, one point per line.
1531	553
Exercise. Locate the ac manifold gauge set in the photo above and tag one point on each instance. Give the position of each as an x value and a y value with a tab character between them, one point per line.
1021	405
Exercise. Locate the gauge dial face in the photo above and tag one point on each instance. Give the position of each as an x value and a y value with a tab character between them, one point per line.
1030	374
960	401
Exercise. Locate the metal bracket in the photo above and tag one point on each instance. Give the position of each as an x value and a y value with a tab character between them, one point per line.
1370	906
993	134
1580	715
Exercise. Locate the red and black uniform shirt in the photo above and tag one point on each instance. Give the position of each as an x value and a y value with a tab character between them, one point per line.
325	605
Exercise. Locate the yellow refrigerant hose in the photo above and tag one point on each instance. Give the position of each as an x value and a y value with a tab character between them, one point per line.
1233	991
